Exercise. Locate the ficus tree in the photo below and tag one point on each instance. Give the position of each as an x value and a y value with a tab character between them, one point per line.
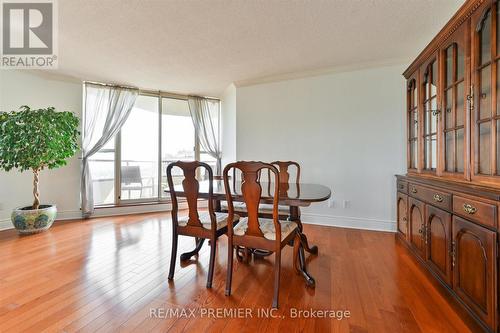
35	140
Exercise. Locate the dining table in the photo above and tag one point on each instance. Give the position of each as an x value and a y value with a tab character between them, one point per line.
292	195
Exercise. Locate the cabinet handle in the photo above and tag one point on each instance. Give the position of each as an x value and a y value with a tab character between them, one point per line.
469	209
425	234
404	219
470	98
413	190
438	198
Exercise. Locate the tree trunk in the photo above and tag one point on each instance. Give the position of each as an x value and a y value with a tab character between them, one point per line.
36	190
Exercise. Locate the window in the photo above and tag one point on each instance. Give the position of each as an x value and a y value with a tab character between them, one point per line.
139	151
176	123
132	168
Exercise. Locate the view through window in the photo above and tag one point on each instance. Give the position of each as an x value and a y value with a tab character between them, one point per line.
132	168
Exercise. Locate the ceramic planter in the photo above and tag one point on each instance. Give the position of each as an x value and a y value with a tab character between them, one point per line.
30	221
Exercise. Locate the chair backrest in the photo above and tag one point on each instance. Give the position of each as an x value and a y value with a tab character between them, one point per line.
131	175
283	167
251	192
191	187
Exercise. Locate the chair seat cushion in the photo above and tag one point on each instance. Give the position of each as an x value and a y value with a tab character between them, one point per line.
221	219
268	208
263	208
238	206
267	228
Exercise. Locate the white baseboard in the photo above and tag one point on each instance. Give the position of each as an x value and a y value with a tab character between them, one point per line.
318	219
6	224
349	222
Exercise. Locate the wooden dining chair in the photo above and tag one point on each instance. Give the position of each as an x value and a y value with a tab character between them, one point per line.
254	231
207	225
266	210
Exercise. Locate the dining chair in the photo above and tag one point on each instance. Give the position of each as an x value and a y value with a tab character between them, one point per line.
283	167
254	231
266	210
206	225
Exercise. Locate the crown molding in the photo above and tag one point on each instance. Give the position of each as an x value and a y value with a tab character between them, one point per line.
321	71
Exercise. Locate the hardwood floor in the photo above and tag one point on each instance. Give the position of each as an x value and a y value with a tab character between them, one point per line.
107	274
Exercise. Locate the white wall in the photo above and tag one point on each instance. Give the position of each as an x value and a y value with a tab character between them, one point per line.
345	129
228	110
60	186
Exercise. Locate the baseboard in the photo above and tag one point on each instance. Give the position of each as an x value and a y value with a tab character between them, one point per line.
318	219
349	222
6	224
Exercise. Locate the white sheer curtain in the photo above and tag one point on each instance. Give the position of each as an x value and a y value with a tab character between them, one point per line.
205	113
105	111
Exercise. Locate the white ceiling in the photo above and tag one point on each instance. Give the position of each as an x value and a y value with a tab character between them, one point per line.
201	46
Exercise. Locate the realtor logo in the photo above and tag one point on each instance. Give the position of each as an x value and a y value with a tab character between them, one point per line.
29	34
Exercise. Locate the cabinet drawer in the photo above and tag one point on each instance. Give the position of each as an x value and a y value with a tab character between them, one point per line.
402	186
477	211
430	195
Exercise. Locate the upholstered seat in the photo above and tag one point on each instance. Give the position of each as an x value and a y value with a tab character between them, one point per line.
238	206
263	208
206	222
268	208
267	228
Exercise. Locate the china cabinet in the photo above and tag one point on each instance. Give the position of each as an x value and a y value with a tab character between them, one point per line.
448	201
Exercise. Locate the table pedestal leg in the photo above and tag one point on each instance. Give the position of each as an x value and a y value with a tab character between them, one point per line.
188	255
295	216
310	282
217	206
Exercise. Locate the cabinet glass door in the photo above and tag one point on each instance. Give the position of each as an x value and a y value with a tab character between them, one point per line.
454	98
486	74
412	102
430	107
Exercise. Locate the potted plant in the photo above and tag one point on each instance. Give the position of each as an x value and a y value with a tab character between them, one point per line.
35	140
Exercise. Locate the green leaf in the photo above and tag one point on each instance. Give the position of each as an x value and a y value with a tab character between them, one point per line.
31	139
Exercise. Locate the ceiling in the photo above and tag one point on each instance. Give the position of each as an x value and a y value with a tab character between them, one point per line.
201	46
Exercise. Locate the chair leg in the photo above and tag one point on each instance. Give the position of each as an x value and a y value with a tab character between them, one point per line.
173	255
277	270
229	277
296	249
213	248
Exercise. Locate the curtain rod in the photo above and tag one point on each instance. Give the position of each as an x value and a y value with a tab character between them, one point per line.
151	92
109	85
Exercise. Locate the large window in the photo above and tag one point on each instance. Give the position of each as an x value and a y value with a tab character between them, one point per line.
132	168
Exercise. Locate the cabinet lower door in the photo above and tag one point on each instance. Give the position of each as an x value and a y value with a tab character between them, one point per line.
417	223
438	242
403	215
475	268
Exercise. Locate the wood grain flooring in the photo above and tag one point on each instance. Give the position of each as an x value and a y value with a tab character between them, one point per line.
110	275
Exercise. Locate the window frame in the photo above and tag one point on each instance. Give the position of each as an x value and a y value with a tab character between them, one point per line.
159	199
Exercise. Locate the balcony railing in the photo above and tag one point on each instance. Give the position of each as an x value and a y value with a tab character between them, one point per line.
144	186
